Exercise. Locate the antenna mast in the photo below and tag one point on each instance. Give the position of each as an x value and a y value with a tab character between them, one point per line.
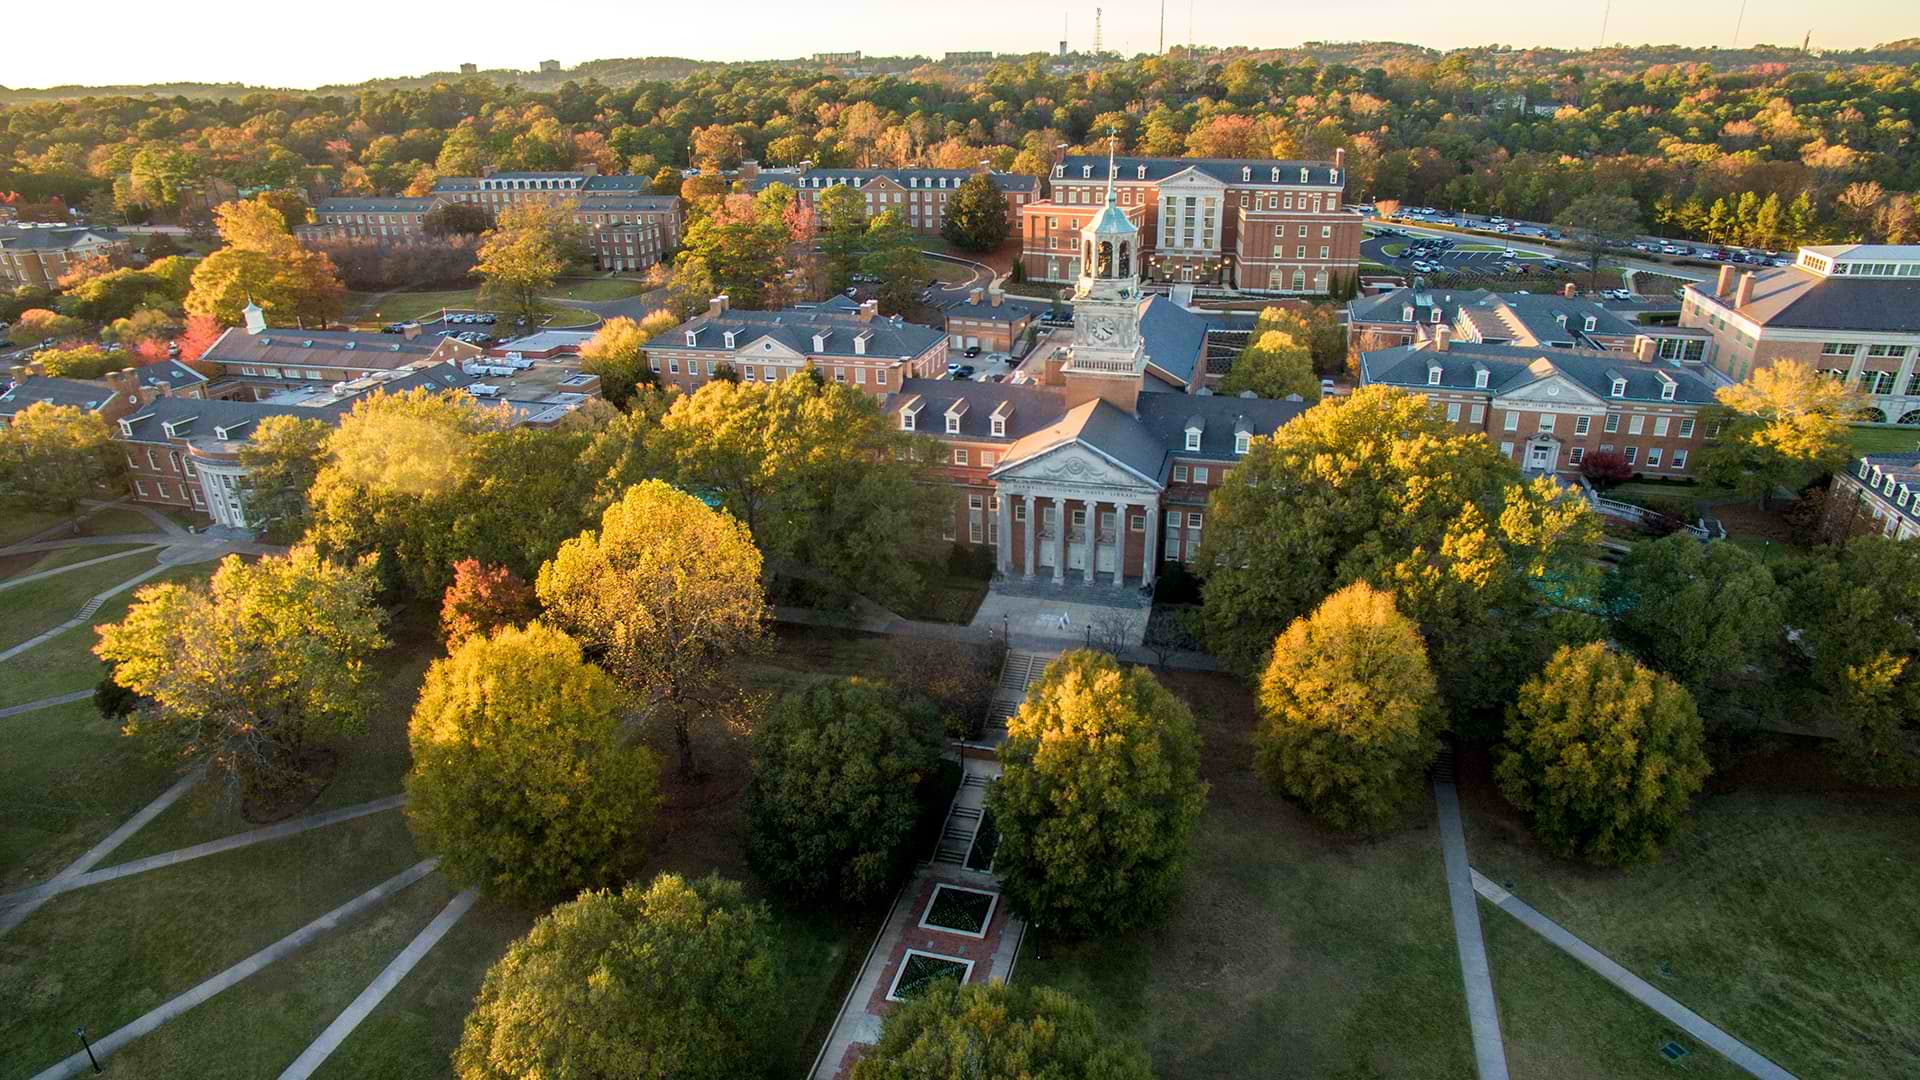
1163	27
1098	49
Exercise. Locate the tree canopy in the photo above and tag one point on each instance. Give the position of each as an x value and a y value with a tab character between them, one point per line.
954	1032
1603	755
1350	713
976	218
1698	612
522	780
1276	363
283	459
1787	419
1100	794
532	243
54	456
673	980
263	264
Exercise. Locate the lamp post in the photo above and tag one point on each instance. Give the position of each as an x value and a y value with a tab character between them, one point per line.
81	1033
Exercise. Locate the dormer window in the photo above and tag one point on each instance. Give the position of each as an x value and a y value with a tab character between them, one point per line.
1242	440
1246	172
953	424
1619	388
1139	172
1276	174
1667	389
127	429
1193	438
1333	176
1435	317
1590	324
729	338
1433	374
1086	171
999	427
1059	171
1480	378
1303	174
1406	312
693	338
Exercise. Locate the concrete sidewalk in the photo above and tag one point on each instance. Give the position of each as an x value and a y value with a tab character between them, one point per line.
1746	1057
46	703
1483	1010
58	570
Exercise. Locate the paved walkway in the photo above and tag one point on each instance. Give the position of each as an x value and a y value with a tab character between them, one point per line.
200	851
75	1064
1483	1012
46	703
1637	988
377	991
86	613
11	582
18	913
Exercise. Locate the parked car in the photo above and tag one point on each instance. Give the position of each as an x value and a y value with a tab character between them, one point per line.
394	328
489	319
973	351
1509	254
965	372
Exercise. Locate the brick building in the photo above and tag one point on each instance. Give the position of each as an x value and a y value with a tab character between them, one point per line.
1852	310
1884	487
39	255
850	345
1270	227
1547	408
396	219
920	195
1532	320
991	320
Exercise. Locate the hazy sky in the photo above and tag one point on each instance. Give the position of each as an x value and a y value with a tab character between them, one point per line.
341	41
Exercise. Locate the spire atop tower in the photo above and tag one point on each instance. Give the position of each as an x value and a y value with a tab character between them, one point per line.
1113	140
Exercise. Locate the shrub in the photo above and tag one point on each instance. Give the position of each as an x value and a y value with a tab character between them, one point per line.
1606	468
522	781
1603	755
832	803
113	700
676	980
1100	794
956	677
1349	711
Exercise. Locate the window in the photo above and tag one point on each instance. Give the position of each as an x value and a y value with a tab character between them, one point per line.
1173	519
1241	441
1679	459
1433	375
1582	424
1613	423
1193	519
999	427
1513	421
1079	518
152	462
1506	449
1576	455
1619	388
1478	415
960	456
1453	412
1653	457
1193	438
1631	453
1179	474
1020	510
1199	474
1686	428
1660	424
953	424
906	421
1546	421
141	488
986	457
1636	424
1837	348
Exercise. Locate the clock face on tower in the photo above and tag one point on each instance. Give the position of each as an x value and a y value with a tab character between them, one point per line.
1102	329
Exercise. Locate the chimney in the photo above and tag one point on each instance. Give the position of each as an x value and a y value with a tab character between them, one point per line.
1743	293
868	309
749	169
1724	286
995	296
717	306
410	330
974	295
1570	290
1643	349
1340	157
1442	336
124	381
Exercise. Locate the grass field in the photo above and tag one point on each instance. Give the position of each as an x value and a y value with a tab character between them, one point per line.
67	662
1292	953
38	606
1785	913
35	562
405	306
1560	1021
1881	440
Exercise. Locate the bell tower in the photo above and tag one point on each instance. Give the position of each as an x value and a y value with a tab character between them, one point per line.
1109	357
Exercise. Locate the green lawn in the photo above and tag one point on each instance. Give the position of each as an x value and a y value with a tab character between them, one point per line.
35	562
72	778
1880	440
38	606
1292	952
18	523
949	599
596	289
406	306
1785	915
1561	1021
67	661
803	654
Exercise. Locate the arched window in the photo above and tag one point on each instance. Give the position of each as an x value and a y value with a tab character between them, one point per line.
1126	263
1106	259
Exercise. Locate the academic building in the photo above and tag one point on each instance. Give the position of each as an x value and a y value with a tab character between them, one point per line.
1263	227
919	195
40	255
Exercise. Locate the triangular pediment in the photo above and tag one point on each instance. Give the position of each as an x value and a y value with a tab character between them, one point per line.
1078	462
768	347
1546	385
1191	178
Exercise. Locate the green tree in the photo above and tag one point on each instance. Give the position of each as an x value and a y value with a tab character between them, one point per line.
80	362
1349	711
617	353
531	244
1855	608
736	250
457	219
976	215
283	459
893	257
837	769
1274	364
1787	420
521	780
668	592
954	1032
245	671
1100	794
1595	223
675	980
843	230
1379	488
1696	611
263	264
34	325
1603	755
55	456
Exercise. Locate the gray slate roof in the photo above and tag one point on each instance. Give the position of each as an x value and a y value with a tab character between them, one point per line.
53	391
57	238
1511	367
1176	338
284	346
1011	308
1225	170
397	204
1788	297
599	183
795	327
1905	470
1034	407
598	203
904	177
169	373
1390	307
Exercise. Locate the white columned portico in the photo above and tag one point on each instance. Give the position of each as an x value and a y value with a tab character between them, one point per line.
1060	523
1005	527
1032	528
1093	538
1149	560
1123	514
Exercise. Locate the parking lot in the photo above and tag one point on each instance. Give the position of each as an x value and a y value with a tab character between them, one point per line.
1466	260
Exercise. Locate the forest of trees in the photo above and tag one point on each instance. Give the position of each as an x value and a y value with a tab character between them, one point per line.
1828	140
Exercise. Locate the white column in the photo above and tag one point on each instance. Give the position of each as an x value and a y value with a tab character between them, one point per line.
1123	514
1149	563
1060	520
1006	532
1093	539
1032	529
